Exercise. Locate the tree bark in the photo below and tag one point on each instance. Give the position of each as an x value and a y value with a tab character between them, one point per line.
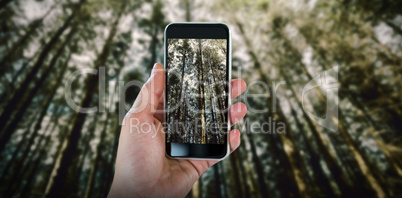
6	61
9	130
294	184
204	137
20	165
19	94
90	182
61	181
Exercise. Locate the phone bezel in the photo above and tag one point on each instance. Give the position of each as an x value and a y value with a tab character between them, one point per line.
205	31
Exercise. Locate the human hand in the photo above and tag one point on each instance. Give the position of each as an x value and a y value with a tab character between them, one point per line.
142	168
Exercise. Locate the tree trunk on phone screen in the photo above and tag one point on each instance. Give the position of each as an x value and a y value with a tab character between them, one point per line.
217	95
185	122
179	117
201	100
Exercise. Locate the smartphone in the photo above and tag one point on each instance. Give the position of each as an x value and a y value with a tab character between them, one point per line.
197	98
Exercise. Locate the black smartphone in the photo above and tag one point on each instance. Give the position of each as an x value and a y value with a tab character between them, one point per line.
197	97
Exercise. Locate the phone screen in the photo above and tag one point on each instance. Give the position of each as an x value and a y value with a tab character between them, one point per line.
197	63
196	91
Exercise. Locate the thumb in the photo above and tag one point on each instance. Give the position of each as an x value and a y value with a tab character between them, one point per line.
148	99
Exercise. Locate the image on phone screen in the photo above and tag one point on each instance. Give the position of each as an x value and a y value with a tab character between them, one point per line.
196	91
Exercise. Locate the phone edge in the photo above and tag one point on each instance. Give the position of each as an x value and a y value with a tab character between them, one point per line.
229	95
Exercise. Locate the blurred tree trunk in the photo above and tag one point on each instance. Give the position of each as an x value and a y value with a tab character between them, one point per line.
239	186
154	42
94	166
259	167
323	57
20	165
218	190
363	164
61	181
87	149
22	42
341	180
247	175
19	93
319	174
16	99
297	175
39	156
27	98
4	3
197	189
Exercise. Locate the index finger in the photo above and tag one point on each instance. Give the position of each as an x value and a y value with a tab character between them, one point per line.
238	87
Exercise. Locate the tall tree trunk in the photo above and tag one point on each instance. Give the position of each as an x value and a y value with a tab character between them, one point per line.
217	92
20	165
41	153
188	10
61	181
296	178
321	54
340	178
363	164
19	94
180	129
153	46
6	60
218	190
258	167
25	192
11	83
90	182
240	186
201	101
196	191
27	100
213	122
4	3
246	170
319	174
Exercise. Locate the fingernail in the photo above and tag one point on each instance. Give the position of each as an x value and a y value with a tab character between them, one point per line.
154	69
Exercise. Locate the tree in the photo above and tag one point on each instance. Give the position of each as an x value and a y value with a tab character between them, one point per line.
61	180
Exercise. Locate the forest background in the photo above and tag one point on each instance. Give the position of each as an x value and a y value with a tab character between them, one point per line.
48	149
